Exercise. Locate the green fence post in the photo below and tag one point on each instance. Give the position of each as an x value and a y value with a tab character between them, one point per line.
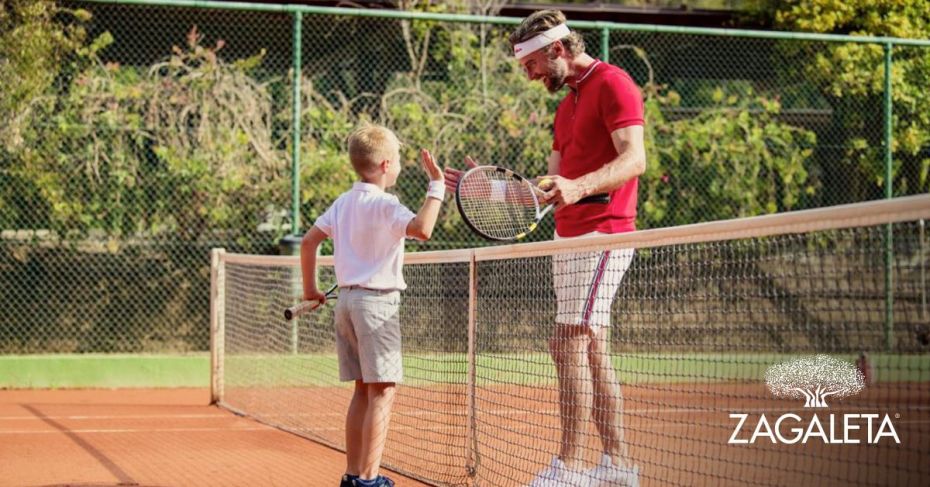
889	193
605	45
295	167
295	116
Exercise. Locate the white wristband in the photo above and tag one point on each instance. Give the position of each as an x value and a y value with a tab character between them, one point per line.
437	189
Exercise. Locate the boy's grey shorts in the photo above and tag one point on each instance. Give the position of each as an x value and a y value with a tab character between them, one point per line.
368	335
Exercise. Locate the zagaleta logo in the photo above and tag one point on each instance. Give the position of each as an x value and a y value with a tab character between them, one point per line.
815	379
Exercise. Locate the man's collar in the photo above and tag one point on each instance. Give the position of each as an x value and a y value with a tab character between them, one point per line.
587	73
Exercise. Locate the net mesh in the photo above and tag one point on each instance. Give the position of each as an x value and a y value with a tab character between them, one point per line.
702	313
285	373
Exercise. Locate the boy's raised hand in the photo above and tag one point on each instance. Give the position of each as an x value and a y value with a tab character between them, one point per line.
429	166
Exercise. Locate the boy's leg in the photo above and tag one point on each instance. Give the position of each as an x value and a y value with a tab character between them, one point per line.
375	427
376	321
355	419
350	370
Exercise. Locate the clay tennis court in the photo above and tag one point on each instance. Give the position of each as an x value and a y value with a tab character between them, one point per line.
150	437
677	433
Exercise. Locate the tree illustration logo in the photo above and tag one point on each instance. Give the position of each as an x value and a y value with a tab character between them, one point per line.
814	379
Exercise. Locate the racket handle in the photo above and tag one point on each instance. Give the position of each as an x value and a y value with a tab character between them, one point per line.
602	198
300	308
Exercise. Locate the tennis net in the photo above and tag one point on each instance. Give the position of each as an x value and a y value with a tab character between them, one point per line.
791	348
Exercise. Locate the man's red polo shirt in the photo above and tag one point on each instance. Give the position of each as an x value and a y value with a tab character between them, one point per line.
605	100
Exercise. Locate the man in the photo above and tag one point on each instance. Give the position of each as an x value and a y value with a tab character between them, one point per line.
597	148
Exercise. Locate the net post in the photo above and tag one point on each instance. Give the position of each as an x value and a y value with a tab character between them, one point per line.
471	456
217	318
290	245
889	194
923	273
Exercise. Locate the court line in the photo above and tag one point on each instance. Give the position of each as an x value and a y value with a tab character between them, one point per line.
334	429
137	430
492	412
131	416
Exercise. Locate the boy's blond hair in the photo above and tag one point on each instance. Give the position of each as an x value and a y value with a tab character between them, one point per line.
369	144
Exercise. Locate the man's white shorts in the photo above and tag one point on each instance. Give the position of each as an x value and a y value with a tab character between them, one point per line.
586	284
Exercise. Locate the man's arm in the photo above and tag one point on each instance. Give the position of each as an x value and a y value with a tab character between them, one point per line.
554	159
629	163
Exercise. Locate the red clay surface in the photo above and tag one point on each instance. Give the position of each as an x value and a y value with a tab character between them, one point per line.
164	437
677	434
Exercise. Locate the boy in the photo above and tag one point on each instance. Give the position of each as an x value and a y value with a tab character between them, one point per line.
368	227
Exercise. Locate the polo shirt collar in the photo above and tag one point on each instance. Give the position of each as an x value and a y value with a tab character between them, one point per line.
367	187
588	72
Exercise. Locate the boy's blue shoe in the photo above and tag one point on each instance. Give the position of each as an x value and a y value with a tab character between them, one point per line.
347	480
379	481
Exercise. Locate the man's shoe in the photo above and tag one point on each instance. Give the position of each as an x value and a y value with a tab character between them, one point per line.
558	475
606	474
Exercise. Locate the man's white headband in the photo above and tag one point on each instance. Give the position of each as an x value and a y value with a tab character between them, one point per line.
526	48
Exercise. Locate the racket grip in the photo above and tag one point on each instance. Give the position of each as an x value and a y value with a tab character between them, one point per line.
602	198
300	308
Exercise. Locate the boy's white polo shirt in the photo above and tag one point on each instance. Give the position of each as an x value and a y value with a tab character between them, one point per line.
368	227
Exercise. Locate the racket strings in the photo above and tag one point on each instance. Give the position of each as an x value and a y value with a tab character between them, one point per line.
497	204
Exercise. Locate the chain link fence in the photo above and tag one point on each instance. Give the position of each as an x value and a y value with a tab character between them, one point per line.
142	135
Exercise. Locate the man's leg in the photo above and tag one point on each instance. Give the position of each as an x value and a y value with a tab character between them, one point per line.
355	420
569	348
375	427
608	398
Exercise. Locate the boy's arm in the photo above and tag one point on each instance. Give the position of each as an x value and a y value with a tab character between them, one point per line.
421	226
308	251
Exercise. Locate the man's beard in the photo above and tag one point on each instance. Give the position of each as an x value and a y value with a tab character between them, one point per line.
556	79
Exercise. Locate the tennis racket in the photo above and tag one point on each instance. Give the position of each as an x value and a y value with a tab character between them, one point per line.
307	306
499	204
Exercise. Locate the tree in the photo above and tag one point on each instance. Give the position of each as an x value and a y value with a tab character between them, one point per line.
36	39
734	161
851	78
814	379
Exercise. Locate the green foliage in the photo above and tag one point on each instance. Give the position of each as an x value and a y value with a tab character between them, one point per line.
181	148
733	161
85	159
195	146
33	45
210	123
851	76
